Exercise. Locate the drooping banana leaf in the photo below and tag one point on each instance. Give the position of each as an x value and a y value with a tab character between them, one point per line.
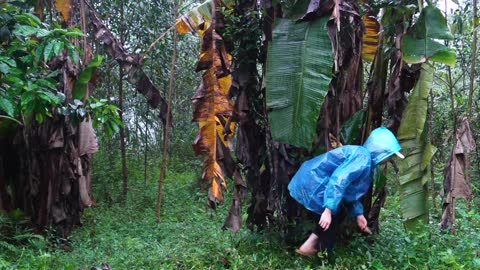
420	43
415	168
299	71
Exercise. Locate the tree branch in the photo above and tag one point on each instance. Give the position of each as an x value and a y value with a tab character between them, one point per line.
131	63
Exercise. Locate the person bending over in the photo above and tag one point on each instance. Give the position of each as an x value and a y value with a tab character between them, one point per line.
336	180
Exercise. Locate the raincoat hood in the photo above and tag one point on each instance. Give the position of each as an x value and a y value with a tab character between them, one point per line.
382	144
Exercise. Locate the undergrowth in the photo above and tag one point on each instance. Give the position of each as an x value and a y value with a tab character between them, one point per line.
190	236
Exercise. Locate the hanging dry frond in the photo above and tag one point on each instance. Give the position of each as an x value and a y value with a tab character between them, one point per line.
456	185
212	108
370	37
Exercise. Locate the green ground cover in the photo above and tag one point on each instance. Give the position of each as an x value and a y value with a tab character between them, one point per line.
190	237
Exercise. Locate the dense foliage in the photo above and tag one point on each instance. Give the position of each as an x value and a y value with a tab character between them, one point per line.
29	82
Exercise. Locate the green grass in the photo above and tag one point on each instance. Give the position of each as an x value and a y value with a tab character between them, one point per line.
190	237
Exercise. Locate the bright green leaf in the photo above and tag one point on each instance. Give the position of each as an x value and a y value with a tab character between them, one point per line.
8	61
417	51
50	97
74	34
27	97
25	30
28	18
47	83
39	52
59	31
13	79
7	106
420	44
42	33
72	50
4	68
48	51
58	47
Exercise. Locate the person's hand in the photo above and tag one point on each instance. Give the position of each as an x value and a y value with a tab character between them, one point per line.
362	224
325	219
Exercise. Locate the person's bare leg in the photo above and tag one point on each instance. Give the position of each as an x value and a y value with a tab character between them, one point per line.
308	248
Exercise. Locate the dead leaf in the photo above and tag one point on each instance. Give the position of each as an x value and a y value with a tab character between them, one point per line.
63	6
370	37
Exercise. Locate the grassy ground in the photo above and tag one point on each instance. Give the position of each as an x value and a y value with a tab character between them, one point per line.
190	237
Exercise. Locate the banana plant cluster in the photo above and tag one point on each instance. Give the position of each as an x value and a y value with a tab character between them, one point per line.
313	91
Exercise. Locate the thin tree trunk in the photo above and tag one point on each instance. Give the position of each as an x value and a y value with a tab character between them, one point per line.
169	107
120	105
468	167
146	147
432	164
110	149
452	101
474	60
137	128
84	30
122	138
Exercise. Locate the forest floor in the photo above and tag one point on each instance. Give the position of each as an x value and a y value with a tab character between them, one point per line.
190	236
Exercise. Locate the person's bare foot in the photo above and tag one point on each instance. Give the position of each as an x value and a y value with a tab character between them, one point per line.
308	248
305	253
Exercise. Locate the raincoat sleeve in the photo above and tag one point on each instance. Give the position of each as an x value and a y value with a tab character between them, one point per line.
355	208
352	168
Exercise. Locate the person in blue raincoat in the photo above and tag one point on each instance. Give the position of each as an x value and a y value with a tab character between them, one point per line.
337	179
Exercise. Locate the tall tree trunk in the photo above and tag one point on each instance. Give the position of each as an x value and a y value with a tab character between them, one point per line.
163	169
146	147
122	138
474	60
432	163
120	105
110	149
451	89
468	166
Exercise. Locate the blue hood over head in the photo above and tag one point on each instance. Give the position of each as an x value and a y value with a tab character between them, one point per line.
382	144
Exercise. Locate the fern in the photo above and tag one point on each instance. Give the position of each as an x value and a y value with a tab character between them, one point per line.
5	246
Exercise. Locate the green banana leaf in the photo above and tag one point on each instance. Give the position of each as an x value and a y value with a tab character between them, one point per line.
80	87
415	168
420	45
299	71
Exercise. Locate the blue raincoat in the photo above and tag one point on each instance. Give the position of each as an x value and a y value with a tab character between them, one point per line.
343	174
